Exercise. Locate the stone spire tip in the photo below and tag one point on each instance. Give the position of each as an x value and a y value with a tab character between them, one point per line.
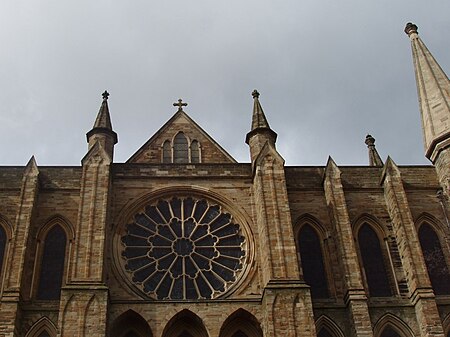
369	140
105	95
255	93
411	28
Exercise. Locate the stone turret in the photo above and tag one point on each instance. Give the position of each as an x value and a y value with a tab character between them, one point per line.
102	131
260	132
374	157
433	87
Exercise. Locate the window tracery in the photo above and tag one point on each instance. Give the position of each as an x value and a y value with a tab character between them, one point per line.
184	248
52	264
181	150
373	262
312	261
434	260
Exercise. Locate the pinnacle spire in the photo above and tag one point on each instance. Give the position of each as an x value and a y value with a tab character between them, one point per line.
433	87
103	119
102	124
374	157
259	121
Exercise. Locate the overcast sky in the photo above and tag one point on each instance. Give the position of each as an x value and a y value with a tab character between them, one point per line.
328	71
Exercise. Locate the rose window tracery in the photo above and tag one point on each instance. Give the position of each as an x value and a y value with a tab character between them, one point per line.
183	249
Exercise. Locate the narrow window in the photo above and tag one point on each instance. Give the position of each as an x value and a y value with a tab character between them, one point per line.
44	334
195	152
434	260
131	334
167	153
389	332
312	262
239	333
2	246
52	264
180	149
373	261
324	333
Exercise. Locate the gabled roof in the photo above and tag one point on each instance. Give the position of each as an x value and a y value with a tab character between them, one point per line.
212	152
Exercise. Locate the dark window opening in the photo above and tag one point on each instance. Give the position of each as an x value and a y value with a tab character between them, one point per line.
324	333
2	246
389	332
52	265
312	262
195	152
167	152
239	333
180	149
373	262
434	260
44	334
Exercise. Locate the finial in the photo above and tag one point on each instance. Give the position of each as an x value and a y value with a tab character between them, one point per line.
105	95
180	104
255	93
370	141
410	28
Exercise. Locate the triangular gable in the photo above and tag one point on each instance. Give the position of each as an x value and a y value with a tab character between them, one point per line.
151	151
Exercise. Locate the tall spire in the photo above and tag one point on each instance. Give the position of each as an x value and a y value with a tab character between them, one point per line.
433	87
374	157
103	119
259	121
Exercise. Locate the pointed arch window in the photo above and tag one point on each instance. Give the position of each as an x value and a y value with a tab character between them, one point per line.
52	264
434	260
180	148
312	261
2	246
167	152
324	333
195	152
373	262
389	332
44	334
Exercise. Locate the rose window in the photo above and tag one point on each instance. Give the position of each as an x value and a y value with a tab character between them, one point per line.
183	249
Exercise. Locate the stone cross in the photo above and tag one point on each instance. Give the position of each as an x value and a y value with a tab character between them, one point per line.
180	104
105	95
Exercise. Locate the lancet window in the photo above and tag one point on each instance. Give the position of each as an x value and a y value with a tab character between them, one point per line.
181	150
389	332
434	260
373	262
52	264
2	247
312	261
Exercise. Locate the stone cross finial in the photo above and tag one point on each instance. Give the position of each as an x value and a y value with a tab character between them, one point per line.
370	141
180	104
255	93
105	95
410	28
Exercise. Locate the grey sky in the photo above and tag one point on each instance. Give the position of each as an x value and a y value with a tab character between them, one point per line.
328	72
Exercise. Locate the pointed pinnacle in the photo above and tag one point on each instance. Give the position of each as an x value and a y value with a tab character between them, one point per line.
410	28
374	157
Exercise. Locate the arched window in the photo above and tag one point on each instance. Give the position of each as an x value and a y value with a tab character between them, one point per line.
52	264
195	152
167	152
44	334
373	261
312	262
434	260
389	332
180	149
239	333
324	333
2	246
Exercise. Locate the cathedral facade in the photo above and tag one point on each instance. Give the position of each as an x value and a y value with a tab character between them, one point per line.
183	241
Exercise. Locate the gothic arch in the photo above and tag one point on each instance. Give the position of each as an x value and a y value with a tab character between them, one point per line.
374	256
391	321
432	238
312	255
63	235
241	323
325	322
44	324
5	238
185	323
130	322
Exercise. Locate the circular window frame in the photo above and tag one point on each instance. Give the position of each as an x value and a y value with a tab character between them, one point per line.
238	215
